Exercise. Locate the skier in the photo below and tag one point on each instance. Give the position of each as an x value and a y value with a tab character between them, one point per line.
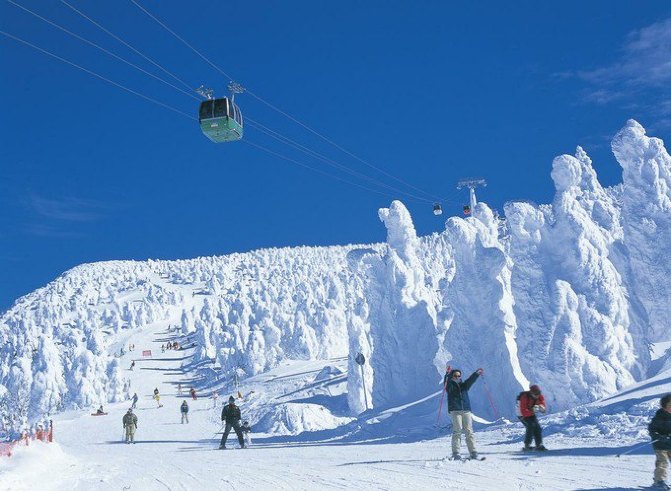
163	348
532	402
184	408
134	401
215	396
459	407
246	430
660	432
130	424
132	364
179	389
157	397
193	393
231	415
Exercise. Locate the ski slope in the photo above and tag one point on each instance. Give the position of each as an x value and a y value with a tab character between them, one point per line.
398	448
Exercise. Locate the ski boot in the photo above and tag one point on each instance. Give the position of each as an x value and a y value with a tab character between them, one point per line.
456	456
541	448
660	485
527	448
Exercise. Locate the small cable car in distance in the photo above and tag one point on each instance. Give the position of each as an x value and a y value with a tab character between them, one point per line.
467	210
437	210
220	118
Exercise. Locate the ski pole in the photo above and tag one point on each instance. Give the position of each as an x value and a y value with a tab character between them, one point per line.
489	396
217	432
637	447
440	408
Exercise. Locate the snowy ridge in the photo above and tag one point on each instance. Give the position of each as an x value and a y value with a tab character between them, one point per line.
570	298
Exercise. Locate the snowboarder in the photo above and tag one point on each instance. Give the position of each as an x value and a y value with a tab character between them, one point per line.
130	425
193	393
134	401
215	396
179	389
163	348
231	416
531	403
660	432
100	410
459	407
184	408
132	364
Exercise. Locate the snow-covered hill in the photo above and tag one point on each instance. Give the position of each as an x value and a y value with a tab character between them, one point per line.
569	295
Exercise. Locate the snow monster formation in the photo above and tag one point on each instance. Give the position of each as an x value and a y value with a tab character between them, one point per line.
569	296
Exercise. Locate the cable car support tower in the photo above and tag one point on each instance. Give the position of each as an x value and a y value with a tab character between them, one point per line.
471	184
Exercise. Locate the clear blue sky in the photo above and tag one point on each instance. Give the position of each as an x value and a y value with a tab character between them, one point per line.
430	91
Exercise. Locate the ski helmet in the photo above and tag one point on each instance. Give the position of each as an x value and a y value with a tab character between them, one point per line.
665	401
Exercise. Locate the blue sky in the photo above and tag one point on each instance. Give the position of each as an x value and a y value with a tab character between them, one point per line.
428	91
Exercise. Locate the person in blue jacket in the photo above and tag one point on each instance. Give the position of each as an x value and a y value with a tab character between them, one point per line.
459	407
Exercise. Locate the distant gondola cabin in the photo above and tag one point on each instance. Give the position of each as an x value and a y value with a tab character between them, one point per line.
220	120
467	210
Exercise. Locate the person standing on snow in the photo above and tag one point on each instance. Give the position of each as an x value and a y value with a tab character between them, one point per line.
215	396
130	425
184	408
531	403
459	407
134	401
231	415
660	432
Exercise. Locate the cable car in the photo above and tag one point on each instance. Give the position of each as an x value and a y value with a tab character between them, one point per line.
437	210
220	120
467	210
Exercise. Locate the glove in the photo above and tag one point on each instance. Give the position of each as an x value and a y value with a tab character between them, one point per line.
538	409
480	371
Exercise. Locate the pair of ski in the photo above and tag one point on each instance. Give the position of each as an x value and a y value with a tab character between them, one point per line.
466	459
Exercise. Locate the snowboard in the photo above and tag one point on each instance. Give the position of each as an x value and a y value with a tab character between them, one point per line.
98	414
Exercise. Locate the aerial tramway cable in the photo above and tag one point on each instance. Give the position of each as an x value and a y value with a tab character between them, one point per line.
275	108
276	135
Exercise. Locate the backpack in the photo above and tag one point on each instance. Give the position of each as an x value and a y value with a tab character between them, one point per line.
518	407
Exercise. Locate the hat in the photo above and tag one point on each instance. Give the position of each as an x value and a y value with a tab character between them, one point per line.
534	389
130	410
665	401
231	399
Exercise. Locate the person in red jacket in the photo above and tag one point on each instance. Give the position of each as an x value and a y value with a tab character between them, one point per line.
532	402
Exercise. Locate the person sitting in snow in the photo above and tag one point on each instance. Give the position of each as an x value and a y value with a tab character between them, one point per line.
660	432
459	407
531	403
231	415
100	410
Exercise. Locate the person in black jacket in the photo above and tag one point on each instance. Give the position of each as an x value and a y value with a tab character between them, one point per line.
459	407
231	415
660	432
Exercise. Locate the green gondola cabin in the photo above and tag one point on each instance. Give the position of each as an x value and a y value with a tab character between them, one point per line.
220	120
467	210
